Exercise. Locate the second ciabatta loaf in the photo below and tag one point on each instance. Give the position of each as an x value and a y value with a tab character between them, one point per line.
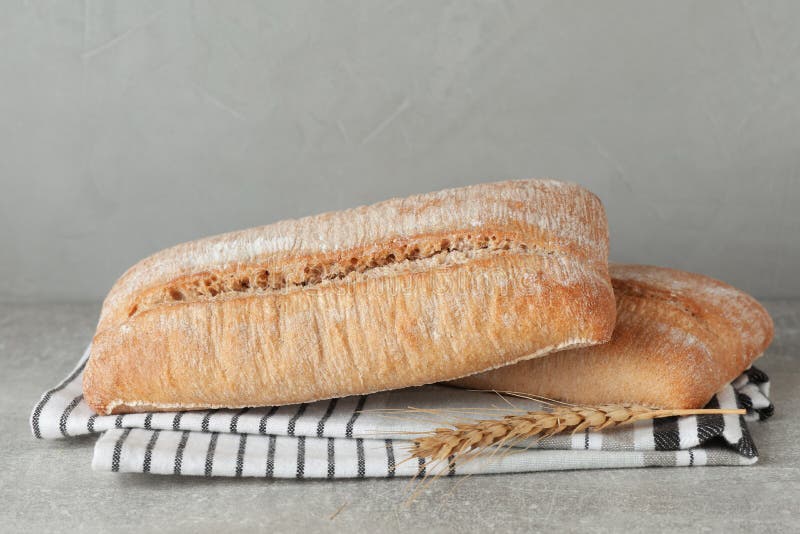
679	338
401	293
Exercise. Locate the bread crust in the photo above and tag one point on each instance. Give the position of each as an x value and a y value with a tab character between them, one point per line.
401	293
679	338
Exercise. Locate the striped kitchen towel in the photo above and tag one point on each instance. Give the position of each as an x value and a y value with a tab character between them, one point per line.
366	436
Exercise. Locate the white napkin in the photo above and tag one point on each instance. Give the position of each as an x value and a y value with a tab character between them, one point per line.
370	435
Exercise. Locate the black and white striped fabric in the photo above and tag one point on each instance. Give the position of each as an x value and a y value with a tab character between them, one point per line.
369	435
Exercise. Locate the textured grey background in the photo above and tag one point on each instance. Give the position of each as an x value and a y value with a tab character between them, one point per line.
126	127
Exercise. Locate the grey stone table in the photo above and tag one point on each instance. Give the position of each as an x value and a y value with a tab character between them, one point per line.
47	485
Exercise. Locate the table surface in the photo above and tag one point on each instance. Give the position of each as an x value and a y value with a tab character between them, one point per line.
50	484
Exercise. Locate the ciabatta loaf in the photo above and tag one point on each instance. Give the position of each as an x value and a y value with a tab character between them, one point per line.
401	293
679	338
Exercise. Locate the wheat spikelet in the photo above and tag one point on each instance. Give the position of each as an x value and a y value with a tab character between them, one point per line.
468	438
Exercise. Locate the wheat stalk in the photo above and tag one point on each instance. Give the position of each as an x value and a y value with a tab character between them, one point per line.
467	438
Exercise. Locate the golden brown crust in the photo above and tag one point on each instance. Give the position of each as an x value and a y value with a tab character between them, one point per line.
524	272
679	338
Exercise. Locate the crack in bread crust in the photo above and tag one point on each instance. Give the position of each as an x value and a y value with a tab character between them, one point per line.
631	288
305	272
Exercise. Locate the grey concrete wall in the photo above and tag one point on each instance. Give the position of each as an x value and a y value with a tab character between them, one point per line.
126	127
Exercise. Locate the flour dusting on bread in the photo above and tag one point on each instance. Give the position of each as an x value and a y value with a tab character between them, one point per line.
678	339
402	293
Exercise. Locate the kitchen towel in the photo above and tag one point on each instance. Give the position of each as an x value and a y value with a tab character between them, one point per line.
370	435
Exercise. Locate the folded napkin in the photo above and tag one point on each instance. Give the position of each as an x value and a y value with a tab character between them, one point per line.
370	435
